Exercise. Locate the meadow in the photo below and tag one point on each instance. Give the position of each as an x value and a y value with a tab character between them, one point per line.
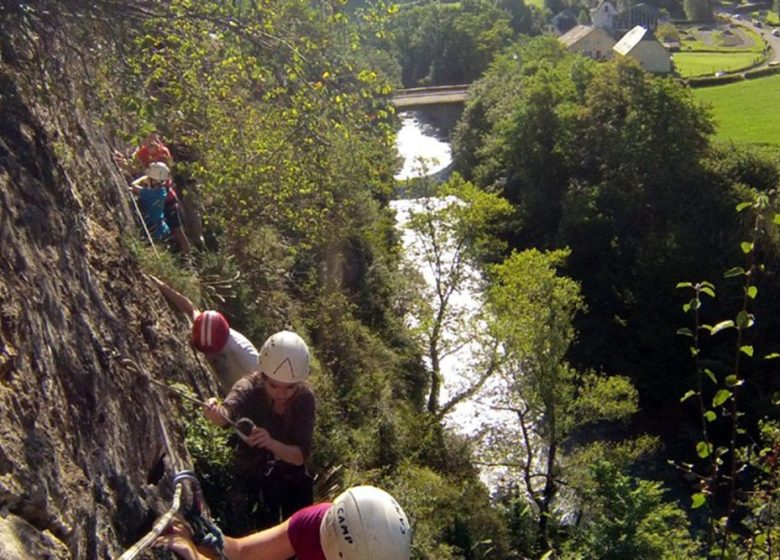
745	111
726	39
690	64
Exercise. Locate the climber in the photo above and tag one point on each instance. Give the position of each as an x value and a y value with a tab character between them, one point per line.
153	150
363	523
150	191
230	354
269	472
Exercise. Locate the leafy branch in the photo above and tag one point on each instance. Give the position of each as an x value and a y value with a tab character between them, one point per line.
724	462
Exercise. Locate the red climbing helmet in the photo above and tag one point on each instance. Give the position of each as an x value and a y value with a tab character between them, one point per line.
210	332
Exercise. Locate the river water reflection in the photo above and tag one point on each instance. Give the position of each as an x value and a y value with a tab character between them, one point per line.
416	141
474	415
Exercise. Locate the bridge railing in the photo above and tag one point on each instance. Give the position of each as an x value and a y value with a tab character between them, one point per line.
429	95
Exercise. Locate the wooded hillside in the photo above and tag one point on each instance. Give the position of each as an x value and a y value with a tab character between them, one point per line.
628	266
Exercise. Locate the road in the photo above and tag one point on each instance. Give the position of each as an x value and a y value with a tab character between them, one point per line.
765	32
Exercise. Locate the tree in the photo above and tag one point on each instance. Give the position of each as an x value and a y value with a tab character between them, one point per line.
518	132
667	32
448	43
698	10
544	399
453	230
522	17
628	518
729	445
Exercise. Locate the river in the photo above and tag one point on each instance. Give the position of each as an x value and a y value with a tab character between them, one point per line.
418	140
477	414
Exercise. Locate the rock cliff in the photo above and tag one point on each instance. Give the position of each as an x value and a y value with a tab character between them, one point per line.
83	467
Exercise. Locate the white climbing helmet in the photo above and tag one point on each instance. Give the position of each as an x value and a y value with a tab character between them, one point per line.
365	523
284	357
158	171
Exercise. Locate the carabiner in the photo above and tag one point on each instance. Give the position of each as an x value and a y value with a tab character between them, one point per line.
244	427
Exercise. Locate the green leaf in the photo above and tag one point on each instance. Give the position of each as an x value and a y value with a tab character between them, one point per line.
711	375
684	285
707	290
733	381
685	332
746	246
698	500
734	272
687	395
776	398
710	416
752	292
547	555
744	320
772	356
776	220
747	349
742	205
703	449
723	325
721	397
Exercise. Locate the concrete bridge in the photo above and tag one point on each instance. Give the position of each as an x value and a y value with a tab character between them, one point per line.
436	95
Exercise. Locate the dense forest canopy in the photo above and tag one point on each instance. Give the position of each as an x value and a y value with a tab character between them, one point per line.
585	194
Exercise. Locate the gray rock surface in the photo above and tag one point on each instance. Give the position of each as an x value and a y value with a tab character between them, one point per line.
83	468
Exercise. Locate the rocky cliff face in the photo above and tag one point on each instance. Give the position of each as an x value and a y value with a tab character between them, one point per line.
83	468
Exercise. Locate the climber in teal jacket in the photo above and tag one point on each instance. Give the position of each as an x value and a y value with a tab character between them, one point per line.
151	191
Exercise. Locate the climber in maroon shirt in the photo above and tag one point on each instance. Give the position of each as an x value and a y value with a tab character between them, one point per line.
363	523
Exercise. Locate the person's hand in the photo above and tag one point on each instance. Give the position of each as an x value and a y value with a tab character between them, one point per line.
182	547
260	438
214	412
178	539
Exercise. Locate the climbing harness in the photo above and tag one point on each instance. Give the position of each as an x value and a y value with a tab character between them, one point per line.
204	532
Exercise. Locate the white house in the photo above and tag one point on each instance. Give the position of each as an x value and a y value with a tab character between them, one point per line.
593	42
603	14
640	45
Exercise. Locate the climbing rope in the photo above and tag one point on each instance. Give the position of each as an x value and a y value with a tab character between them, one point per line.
160	525
211	534
143	223
242	426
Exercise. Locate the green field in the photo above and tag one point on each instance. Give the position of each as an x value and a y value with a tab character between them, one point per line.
745	111
720	38
690	64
